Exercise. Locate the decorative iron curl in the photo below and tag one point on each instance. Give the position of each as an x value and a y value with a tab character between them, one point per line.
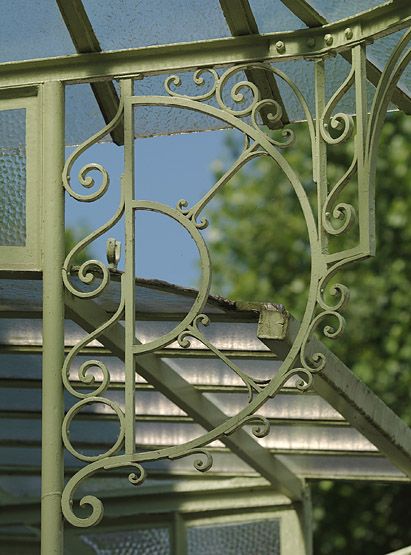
86	180
341	211
85	272
198	80
97	509
200	464
72	413
339	291
191	214
255	104
83	375
260	429
192	331
273	117
341	122
316	362
136	478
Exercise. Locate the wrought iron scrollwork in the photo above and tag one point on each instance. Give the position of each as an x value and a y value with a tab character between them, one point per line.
227	96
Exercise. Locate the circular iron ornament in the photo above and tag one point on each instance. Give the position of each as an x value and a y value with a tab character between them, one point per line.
205	279
72	413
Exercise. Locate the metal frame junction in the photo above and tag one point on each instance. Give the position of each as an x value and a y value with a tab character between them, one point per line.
237	83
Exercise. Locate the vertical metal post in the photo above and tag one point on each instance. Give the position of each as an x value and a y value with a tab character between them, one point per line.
128	185
179	535
320	155
366	199
52	467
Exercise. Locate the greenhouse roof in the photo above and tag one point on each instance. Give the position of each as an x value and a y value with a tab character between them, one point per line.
338	430
91	41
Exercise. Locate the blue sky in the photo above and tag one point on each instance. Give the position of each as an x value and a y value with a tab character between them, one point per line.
167	169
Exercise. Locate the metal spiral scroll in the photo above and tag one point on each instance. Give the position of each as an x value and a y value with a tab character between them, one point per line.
91	268
326	299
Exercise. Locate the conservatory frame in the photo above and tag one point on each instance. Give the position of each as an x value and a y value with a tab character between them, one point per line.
39	86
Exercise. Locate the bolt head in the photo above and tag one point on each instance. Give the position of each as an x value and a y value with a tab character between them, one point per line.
280	46
328	39
348	33
311	42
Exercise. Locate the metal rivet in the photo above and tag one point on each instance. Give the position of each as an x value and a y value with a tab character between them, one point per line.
348	33
280	46
328	39
311	42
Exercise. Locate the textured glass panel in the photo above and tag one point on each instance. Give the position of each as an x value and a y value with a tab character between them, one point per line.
148	541
154	120
301	73
83	115
259	538
380	51
32	29
272	16
129	24
165	120
12	177
337	9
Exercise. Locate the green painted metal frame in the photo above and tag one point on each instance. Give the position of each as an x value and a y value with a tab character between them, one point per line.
326	299
305	43
306	359
29	256
197	502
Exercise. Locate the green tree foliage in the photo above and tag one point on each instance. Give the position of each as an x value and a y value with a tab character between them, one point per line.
260	252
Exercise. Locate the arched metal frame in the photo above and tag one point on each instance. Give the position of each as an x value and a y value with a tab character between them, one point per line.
242	109
329	218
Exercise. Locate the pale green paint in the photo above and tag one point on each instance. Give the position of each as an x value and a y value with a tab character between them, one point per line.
53	320
168	58
187	397
303	356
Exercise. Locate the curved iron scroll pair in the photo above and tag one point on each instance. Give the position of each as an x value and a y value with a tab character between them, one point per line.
242	112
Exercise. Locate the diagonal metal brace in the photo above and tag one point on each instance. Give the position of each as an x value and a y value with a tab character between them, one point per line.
362	408
85	41
240	20
89	315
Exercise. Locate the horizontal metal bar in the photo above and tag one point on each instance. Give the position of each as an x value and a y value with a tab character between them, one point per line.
379	22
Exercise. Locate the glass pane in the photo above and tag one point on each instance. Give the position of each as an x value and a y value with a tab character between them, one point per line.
148	541
83	115
380	51
32	29
259	538
272	16
129	24
12	177
333	10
